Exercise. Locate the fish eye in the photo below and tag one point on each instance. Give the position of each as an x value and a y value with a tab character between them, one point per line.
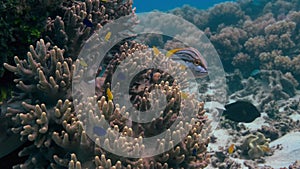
197	62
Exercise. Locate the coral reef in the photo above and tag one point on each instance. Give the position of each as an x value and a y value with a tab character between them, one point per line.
258	47
272	85
248	35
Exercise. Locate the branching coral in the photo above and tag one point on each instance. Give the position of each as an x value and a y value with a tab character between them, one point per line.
229	41
230	12
58	126
193	15
81	20
22	23
45	76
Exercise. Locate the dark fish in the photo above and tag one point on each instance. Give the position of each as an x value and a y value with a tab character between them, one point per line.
87	22
241	111
99	131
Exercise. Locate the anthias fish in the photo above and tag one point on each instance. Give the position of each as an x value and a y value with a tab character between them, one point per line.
109	94
241	111
231	149
192	58
107	36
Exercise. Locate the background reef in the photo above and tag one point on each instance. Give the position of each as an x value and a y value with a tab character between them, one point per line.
258	43
251	35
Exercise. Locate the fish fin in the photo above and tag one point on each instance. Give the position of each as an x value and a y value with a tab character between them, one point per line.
155	50
172	51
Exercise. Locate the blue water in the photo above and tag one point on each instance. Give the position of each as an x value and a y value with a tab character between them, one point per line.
165	5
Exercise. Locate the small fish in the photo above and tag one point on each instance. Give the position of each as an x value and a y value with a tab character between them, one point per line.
241	111
191	58
184	95
155	51
103	69
105	0
87	22
109	94
99	131
3	93
107	36
231	148
83	63
255	72
194	152
121	76
155	77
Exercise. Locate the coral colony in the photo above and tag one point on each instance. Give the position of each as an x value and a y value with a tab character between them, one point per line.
258	42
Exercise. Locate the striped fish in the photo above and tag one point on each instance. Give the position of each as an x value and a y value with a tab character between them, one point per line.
192	58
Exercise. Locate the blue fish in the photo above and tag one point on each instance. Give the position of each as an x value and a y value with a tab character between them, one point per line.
99	131
194	152
121	76
103	68
255	72
192	58
87	22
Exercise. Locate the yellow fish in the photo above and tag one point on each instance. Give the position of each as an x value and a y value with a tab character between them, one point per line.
107	36
109	94
184	95
155	50
105	0
83	63
3	94
231	149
